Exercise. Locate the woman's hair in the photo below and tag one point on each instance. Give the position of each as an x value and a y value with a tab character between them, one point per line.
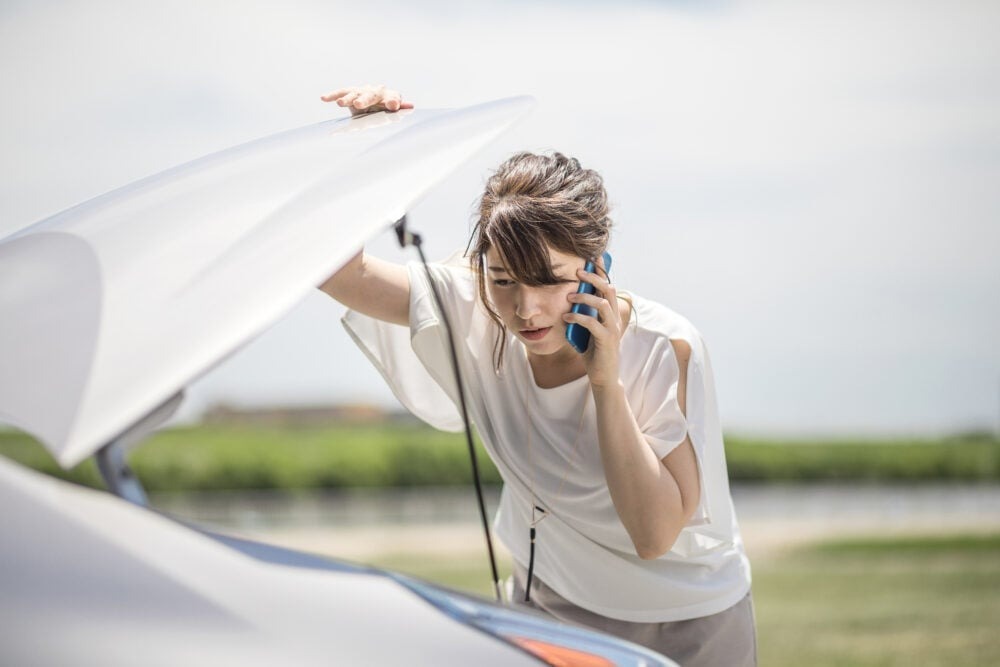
531	203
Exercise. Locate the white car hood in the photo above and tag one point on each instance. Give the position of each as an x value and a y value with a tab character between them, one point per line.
110	308
88	578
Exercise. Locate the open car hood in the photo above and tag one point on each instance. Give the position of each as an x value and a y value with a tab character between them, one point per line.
110	308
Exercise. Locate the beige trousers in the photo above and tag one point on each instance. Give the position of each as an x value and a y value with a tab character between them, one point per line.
726	639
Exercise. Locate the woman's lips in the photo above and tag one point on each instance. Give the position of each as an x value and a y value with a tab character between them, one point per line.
535	334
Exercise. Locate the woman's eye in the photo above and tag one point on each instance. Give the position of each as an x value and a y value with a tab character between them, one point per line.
503	282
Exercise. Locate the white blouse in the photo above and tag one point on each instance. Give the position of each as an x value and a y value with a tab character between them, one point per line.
544	443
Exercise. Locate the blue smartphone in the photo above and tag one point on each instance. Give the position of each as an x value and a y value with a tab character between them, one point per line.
577	335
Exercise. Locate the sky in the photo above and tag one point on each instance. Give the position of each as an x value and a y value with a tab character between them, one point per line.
814	185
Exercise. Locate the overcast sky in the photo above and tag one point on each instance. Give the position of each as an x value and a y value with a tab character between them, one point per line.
816	185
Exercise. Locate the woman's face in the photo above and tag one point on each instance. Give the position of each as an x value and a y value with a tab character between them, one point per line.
534	313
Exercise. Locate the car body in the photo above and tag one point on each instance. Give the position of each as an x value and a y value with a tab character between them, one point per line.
110	309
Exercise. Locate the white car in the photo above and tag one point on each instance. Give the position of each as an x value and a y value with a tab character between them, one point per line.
109	309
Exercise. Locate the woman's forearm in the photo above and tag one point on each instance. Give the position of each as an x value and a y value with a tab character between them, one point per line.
645	494
372	286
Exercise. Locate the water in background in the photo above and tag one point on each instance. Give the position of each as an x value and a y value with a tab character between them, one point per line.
949	506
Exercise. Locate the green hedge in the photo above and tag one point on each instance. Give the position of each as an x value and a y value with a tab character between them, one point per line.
244	457
970	458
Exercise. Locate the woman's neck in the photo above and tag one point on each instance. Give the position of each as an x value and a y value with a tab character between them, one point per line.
559	368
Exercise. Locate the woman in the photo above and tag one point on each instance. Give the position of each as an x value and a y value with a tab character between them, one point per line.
613	459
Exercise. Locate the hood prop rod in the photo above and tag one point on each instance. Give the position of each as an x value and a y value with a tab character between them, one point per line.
118	475
405	238
111	461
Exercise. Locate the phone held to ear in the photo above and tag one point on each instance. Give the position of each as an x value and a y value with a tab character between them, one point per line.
576	334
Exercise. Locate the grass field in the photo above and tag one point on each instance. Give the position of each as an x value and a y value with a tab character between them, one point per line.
931	601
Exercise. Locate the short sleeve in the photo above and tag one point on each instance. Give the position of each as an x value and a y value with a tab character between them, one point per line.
660	418
415	361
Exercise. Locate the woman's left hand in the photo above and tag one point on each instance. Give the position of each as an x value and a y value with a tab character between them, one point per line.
601	357
367	99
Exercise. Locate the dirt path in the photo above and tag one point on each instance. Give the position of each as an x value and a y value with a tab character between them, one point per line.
763	538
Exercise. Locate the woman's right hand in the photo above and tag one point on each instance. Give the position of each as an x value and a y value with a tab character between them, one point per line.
367	99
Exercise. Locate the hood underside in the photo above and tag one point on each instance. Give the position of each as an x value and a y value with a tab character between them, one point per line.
111	307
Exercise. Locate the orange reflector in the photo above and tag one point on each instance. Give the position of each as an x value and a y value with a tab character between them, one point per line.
560	656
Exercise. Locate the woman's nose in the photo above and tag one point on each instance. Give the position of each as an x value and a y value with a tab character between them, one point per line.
527	305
